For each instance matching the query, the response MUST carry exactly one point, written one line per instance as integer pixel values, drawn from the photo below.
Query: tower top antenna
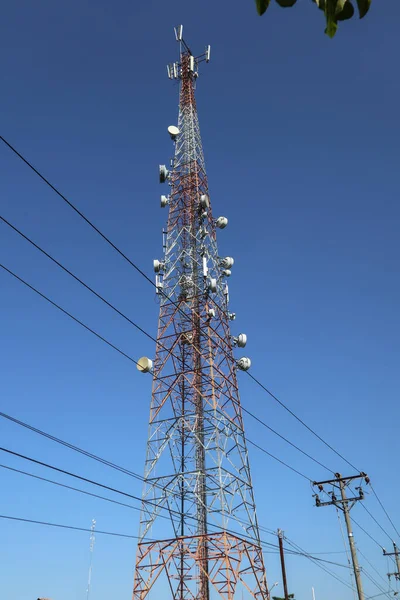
(174, 70)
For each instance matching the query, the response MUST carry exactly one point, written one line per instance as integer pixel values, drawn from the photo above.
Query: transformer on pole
(199, 536)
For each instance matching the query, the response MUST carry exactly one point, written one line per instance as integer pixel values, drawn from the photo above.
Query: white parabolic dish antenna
(144, 364)
(173, 131)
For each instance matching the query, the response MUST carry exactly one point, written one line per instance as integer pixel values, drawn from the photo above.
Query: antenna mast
(92, 540)
(199, 536)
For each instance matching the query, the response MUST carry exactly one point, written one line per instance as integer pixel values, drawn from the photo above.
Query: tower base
(177, 569)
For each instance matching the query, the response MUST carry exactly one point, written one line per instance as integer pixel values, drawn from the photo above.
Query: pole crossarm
(345, 504)
(396, 554)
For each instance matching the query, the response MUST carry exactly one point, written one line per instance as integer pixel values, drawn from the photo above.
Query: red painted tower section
(199, 537)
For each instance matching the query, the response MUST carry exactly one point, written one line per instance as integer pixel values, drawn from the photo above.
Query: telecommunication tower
(199, 536)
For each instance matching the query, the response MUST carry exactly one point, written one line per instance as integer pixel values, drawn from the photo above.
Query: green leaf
(286, 3)
(331, 28)
(262, 6)
(340, 4)
(346, 13)
(330, 14)
(363, 7)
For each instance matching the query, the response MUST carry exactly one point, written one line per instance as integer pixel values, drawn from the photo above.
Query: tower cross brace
(197, 469)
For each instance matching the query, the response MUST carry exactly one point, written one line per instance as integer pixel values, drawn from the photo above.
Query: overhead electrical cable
(376, 521)
(117, 491)
(141, 272)
(136, 363)
(366, 532)
(301, 421)
(139, 328)
(385, 511)
(69, 487)
(56, 483)
(113, 533)
(318, 564)
(152, 283)
(371, 565)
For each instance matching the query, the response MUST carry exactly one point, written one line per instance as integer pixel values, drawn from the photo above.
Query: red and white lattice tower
(199, 537)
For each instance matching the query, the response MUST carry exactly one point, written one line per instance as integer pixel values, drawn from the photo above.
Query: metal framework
(198, 497)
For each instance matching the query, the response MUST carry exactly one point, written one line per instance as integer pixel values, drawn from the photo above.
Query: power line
(118, 491)
(100, 337)
(315, 562)
(74, 475)
(74, 208)
(377, 523)
(385, 511)
(279, 460)
(46, 523)
(366, 532)
(372, 566)
(141, 272)
(71, 446)
(139, 328)
(31, 287)
(135, 362)
(69, 487)
(85, 285)
(301, 421)
(376, 584)
(123, 470)
(56, 483)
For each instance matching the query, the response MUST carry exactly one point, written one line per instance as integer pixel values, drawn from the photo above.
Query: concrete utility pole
(280, 538)
(396, 554)
(345, 505)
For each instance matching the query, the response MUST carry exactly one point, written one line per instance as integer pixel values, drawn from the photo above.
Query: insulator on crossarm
(240, 340)
(221, 222)
(164, 173)
(243, 363)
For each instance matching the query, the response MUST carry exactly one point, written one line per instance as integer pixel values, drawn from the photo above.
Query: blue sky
(300, 136)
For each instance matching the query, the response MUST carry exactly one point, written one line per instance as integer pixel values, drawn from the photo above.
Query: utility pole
(396, 554)
(345, 504)
(280, 538)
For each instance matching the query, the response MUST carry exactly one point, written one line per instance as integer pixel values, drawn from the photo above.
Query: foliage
(289, 595)
(334, 10)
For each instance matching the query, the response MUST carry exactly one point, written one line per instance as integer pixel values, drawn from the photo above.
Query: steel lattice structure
(197, 471)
